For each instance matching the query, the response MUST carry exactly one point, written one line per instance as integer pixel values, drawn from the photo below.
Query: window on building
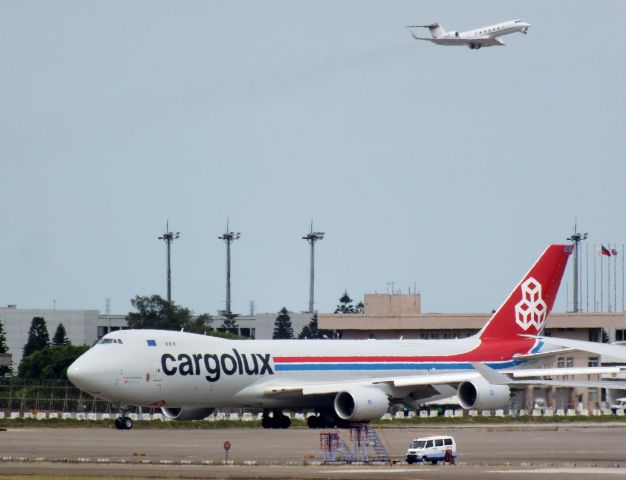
(594, 335)
(570, 362)
(560, 362)
(593, 394)
(102, 331)
(620, 335)
(593, 362)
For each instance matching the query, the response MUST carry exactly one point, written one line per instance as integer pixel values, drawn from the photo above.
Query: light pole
(228, 237)
(312, 237)
(576, 238)
(168, 237)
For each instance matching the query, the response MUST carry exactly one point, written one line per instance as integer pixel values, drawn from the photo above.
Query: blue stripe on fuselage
(294, 367)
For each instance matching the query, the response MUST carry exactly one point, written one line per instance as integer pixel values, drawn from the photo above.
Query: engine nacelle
(187, 413)
(482, 395)
(361, 403)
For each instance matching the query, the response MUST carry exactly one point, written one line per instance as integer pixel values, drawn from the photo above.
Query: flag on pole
(605, 251)
(614, 252)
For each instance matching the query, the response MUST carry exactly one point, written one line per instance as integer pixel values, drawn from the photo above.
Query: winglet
(492, 376)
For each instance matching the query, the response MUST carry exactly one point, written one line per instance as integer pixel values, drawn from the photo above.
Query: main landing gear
(276, 420)
(123, 422)
(326, 420)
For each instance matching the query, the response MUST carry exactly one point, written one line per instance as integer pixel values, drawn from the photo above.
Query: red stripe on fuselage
(487, 351)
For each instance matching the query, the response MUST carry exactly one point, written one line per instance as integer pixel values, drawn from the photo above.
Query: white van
(431, 449)
(620, 404)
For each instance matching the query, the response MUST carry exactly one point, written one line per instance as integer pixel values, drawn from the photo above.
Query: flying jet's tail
(436, 30)
(526, 309)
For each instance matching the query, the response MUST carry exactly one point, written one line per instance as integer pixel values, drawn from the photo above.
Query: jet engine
(482, 395)
(187, 413)
(474, 46)
(361, 403)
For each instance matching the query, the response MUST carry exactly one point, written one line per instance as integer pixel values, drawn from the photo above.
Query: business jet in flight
(188, 375)
(474, 39)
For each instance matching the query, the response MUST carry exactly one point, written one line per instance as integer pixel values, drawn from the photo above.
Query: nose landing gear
(123, 422)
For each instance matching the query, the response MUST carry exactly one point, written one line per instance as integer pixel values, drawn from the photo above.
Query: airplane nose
(84, 373)
(75, 372)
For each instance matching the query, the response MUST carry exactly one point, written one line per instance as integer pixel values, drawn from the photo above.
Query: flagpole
(615, 281)
(608, 283)
(595, 300)
(601, 282)
(623, 310)
(587, 275)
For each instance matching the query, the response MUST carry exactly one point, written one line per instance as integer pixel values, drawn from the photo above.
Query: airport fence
(20, 395)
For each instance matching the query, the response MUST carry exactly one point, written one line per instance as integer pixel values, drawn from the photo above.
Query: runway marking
(573, 470)
(356, 470)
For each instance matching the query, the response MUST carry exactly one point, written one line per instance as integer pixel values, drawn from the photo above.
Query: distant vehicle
(620, 404)
(432, 449)
(474, 39)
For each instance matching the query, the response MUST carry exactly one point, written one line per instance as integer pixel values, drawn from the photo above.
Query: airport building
(400, 317)
(85, 327)
(385, 317)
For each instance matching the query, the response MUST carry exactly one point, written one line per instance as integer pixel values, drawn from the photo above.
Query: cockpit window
(109, 340)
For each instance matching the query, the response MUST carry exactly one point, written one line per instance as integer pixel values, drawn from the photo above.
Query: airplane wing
(608, 349)
(535, 376)
(481, 42)
(497, 378)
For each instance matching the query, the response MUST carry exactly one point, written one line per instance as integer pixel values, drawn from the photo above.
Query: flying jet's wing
(482, 41)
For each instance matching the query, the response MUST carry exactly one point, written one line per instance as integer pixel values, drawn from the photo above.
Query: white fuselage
(166, 368)
(492, 31)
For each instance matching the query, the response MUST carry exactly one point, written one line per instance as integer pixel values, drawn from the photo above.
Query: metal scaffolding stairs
(367, 446)
(334, 448)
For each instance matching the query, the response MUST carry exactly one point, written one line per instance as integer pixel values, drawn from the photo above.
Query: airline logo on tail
(531, 310)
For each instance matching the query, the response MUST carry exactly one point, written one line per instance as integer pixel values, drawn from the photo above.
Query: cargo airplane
(474, 39)
(188, 375)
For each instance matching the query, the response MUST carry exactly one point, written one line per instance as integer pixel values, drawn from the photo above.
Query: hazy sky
(443, 167)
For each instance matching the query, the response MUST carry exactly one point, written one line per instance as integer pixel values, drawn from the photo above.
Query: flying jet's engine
(361, 403)
(482, 395)
(474, 46)
(187, 413)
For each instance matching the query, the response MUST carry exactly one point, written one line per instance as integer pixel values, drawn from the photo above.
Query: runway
(508, 451)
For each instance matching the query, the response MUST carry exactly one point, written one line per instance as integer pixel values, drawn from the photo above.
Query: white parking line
(572, 471)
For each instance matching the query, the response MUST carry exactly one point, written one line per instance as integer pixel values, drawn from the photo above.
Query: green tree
(38, 337)
(312, 331)
(345, 305)
(60, 336)
(230, 324)
(50, 363)
(282, 325)
(157, 313)
(4, 348)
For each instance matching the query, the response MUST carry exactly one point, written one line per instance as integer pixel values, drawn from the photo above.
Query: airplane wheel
(127, 422)
(313, 421)
(118, 423)
(284, 421)
(266, 421)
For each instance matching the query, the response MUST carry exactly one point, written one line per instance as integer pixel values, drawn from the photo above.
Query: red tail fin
(528, 306)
